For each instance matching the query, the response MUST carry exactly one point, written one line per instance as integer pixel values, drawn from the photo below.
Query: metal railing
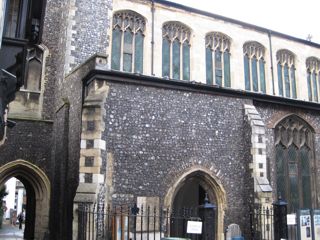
(262, 225)
(133, 223)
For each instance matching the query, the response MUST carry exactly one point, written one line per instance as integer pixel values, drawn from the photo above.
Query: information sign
(291, 219)
(194, 227)
(316, 224)
(305, 227)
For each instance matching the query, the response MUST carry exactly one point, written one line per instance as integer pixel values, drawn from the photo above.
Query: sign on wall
(291, 219)
(305, 227)
(194, 227)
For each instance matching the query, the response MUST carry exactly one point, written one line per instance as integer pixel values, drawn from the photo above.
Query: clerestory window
(313, 78)
(294, 161)
(218, 59)
(254, 67)
(176, 51)
(286, 74)
(127, 41)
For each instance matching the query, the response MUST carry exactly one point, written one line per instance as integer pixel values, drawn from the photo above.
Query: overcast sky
(297, 18)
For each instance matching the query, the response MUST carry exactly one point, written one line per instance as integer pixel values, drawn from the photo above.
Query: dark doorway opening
(187, 201)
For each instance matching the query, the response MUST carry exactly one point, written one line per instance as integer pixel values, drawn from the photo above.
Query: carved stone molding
(129, 20)
(218, 41)
(254, 48)
(176, 30)
(285, 56)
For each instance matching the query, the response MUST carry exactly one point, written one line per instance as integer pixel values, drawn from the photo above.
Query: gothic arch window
(128, 29)
(313, 78)
(294, 161)
(254, 67)
(176, 51)
(218, 59)
(286, 74)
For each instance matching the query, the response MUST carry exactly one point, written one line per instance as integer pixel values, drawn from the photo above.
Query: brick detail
(92, 155)
(258, 164)
(88, 161)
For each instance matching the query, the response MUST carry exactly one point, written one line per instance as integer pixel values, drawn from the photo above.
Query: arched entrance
(37, 187)
(189, 191)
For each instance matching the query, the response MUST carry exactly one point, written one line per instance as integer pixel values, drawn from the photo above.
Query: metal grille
(143, 223)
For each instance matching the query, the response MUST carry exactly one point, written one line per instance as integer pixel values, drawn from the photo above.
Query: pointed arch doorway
(189, 191)
(37, 187)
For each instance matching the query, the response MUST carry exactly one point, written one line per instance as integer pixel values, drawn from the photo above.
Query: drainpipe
(152, 38)
(271, 58)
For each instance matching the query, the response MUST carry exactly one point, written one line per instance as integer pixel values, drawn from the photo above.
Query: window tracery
(294, 159)
(176, 51)
(218, 59)
(254, 66)
(127, 41)
(286, 73)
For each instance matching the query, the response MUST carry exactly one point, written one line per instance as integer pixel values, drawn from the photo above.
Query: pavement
(11, 232)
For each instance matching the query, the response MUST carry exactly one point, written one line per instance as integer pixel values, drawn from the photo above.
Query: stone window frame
(292, 132)
(176, 31)
(254, 51)
(214, 42)
(286, 60)
(313, 78)
(135, 23)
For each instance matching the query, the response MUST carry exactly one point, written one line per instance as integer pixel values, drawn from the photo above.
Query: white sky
(297, 18)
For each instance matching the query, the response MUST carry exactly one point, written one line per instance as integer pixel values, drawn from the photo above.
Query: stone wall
(156, 135)
(30, 141)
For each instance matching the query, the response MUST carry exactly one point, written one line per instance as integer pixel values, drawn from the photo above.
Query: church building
(149, 101)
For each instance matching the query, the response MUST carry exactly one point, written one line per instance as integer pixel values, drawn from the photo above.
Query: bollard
(207, 214)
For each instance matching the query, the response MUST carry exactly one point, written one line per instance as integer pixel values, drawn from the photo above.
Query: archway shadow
(189, 190)
(37, 187)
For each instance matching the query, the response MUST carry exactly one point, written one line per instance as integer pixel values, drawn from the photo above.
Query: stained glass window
(286, 80)
(138, 53)
(294, 154)
(127, 41)
(309, 86)
(226, 61)
(254, 73)
(218, 59)
(165, 58)
(218, 68)
(313, 78)
(293, 82)
(127, 51)
(209, 71)
(280, 82)
(176, 59)
(186, 61)
(247, 72)
(286, 74)
(262, 76)
(176, 51)
(116, 49)
(315, 88)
